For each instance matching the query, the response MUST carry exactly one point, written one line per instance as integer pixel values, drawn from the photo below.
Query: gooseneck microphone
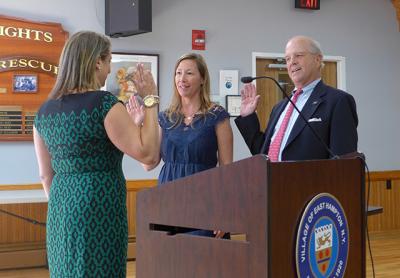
(248, 79)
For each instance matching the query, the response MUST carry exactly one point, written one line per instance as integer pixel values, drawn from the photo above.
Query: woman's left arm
(46, 171)
(225, 142)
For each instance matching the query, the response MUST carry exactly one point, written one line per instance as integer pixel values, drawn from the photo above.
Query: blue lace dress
(189, 149)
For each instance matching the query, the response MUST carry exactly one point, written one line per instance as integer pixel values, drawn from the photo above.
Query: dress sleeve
(108, 101)
(162, 119)
(220, 113)
(39, 118)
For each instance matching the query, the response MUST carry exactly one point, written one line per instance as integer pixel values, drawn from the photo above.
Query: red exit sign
(307, 4)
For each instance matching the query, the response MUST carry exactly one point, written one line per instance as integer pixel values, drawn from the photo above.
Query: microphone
(248, 79)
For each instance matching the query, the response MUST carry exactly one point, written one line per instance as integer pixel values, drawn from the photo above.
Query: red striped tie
(275, 146)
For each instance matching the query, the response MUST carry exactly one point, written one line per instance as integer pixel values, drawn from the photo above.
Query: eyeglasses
(297, 55)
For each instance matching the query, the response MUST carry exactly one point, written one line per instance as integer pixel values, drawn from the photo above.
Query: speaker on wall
(127, 17)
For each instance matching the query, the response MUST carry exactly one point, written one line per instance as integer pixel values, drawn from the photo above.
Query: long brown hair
(173, 112)
(77, 66)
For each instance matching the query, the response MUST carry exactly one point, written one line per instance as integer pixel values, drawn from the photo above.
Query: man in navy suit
(331, 112)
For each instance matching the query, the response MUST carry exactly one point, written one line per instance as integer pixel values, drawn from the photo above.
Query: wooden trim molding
(23, 259)
(131, 185)
(10, 187)
(137, 185)
(384, 175)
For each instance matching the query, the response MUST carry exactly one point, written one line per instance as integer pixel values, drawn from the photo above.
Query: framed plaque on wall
(120, 80)
(233, 103)
(25, 83)
(29, 64)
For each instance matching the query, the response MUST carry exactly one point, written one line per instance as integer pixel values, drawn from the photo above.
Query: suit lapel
(308, 110)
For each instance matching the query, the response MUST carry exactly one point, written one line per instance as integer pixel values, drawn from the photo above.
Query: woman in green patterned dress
(80, 136)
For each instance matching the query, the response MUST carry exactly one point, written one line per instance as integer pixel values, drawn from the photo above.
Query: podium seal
(322, 244)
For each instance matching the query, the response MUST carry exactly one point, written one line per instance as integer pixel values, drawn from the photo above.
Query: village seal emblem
(322, 243)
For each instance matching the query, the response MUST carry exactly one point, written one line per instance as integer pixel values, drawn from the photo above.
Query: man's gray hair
(315, 47)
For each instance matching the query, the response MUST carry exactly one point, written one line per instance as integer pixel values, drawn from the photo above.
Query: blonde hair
(77, 66)
(173, 112)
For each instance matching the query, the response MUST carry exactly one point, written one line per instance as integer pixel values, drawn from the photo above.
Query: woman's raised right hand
(144, 81)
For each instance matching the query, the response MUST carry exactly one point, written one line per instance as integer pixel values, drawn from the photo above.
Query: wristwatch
(151, 100)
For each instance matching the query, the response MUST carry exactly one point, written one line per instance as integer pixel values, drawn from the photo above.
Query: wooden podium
(253, 197)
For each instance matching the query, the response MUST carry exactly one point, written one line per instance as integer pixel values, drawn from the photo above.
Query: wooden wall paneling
(131, 207)
(34, 257)
(19, 231)
(22, 244)
(132, 188)
(374, 221)
(384, 175)
(388, 199)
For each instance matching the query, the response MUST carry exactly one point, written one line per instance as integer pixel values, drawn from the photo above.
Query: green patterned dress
(87, 229)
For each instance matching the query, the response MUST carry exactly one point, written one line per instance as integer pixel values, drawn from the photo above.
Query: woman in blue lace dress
(80, 136)
(195, 134)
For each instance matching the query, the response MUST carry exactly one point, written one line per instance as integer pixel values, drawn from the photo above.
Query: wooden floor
(385, 247)
(386, 253)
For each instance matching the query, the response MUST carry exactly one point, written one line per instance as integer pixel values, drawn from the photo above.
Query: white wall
(364, 31)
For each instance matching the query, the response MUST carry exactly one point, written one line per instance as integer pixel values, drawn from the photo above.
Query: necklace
(190, 117)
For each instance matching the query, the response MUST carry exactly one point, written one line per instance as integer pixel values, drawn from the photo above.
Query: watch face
(149, 101)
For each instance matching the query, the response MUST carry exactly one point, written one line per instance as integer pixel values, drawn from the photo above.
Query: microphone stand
(334, 156)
